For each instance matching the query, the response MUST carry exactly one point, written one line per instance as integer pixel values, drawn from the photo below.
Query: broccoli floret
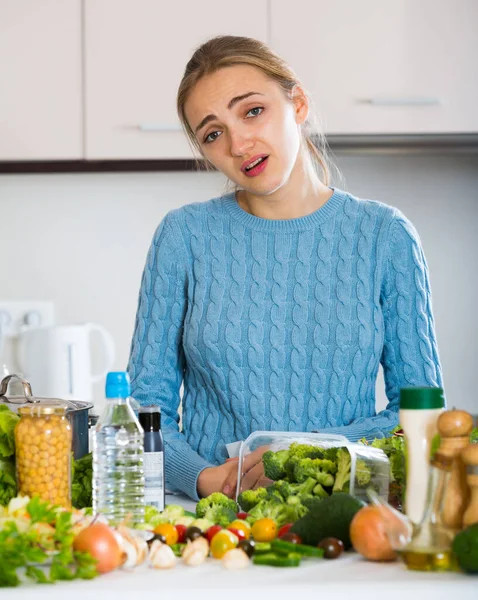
(344, 465)
(297, 452)
(217, 508)
(363, 474)
(281, 487)
(319, 469)
(298, 510)
(319, 491)
(302, 489)
(274, 464)
(249, 498)
(280, 512)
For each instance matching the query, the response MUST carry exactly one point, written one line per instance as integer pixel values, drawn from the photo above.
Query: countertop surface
(348, 578)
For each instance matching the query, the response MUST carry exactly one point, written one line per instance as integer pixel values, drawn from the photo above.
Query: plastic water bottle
(118, 477)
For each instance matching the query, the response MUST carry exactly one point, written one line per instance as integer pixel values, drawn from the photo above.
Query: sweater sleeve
(156, 363)
(410, 354)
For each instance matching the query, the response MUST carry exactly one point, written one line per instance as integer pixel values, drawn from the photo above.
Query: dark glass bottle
(150, 420)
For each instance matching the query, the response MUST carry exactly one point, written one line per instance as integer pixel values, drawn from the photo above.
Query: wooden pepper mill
(470, 459)
(454, 427)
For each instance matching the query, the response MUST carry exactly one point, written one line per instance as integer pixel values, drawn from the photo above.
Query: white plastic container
(373, 458)
(420, 408)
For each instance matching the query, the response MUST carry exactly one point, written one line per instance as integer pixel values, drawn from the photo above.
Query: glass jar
(43, 453)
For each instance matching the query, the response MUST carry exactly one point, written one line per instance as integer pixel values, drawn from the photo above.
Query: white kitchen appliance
(57, 360)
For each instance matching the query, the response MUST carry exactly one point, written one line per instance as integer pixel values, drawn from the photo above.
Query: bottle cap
(118, 385)
(421, 398)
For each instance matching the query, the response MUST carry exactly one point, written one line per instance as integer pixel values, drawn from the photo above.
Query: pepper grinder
(455, 427)
(470, 459)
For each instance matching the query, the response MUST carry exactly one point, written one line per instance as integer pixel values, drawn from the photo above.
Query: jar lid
(40, 409)
(421, 398)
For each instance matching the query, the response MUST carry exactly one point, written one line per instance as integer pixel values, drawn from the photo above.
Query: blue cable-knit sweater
(279, 325)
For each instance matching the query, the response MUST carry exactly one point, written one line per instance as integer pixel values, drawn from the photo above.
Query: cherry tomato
(242, 515)
(168, 531)
(264, 530)
(211, 532)
(242, 526)
(284, 529)
(222, 542)
(238, 533)
(332, 547)
(291, 537)
(100, 541)
(181, 529)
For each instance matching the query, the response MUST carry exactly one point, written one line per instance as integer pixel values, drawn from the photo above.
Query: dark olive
(192, 533)
(157, 536)
(293, 538)
(332, 547)
(249, 547)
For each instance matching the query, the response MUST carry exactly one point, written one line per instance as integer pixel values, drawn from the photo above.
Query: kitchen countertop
(349, 577)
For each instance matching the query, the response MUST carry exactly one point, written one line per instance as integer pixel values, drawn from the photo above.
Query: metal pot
(76, 411)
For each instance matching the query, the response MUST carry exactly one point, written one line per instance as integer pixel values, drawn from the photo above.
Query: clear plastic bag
(370, 467)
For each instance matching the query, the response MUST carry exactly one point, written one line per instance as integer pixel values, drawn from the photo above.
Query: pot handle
(27, 389)
(109, 347)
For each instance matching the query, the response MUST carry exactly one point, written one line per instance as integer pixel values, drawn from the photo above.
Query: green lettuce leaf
(8, 420)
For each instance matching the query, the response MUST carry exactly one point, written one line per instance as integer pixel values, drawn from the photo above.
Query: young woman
(276, 303)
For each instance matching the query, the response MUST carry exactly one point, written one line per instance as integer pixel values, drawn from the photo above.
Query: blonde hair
(229, 50)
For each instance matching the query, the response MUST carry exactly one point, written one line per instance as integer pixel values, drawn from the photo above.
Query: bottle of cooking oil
(430, 546)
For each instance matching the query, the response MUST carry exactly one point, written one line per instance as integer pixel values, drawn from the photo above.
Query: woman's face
(239, 115)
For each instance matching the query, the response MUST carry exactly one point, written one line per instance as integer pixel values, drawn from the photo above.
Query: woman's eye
(211, 137)
(254, 111)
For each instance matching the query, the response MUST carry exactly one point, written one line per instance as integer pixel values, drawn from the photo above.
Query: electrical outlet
(31, 313)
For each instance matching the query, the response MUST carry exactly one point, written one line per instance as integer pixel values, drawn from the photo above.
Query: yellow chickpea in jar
(43, 453)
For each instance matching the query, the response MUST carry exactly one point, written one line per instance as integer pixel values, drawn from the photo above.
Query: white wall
(81, 241)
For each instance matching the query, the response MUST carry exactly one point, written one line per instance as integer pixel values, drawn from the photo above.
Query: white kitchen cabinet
(40, 80)
(384, 67)
(136, 52)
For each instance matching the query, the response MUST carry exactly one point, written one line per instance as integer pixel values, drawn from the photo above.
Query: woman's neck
(302, 195)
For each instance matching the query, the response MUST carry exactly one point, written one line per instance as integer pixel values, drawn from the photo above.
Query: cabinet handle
(411, 101)
(152, 127)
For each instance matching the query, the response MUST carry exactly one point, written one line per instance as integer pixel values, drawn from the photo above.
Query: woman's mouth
(256, 167)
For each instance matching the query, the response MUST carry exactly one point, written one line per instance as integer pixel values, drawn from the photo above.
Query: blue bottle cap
(118, 385)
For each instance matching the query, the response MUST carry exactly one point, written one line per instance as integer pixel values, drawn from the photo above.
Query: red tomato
(242, 515)
(181, 529)
(284, 529)
(211, 532)
(237, 532)
(100, 541)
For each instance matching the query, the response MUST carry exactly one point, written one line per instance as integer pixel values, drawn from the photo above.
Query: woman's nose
(241, 143)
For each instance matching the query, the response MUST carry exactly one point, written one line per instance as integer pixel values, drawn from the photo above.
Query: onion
(99, 540)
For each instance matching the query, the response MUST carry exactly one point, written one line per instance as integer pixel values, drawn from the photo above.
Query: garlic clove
(235, 559)
(134, 546)
(161, 556)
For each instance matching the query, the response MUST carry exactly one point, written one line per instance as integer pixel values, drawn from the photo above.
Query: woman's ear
(301, 104)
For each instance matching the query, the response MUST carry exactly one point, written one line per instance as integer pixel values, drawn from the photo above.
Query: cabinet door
(136, 52)
(40, 80)
(375, 66)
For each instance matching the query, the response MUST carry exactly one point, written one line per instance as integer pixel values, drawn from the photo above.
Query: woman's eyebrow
(232, 102)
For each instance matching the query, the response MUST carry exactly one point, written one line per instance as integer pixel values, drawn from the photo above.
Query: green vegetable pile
(36, 534)
(82, 482)
(8, 486)
(302, 474)
(217, 508)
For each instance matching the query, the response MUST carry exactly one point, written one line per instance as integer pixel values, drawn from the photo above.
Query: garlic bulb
(161, 556)
(235, 559)
(134, 547)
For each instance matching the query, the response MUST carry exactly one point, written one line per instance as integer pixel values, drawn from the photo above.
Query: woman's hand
(224, 477)
(213, 479)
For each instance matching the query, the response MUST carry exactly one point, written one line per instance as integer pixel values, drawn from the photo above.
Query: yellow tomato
(264, 530)
(169, 532)
(222, 542)
(241, 526)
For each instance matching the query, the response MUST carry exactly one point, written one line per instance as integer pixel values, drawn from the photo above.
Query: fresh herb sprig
(23, 549)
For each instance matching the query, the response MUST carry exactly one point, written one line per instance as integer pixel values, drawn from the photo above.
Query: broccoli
(363, 474)
(302, 489)
(319, 491)
(298, 510)
(319, 469)
(274, 509)
(217, 508)
(274, 464)
(249, 498)
(344, 466)
(297, 452)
